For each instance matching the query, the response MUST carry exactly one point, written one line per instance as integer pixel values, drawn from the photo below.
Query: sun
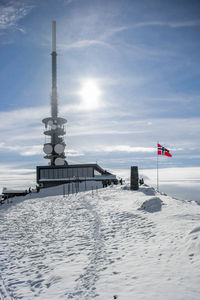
(90, 94)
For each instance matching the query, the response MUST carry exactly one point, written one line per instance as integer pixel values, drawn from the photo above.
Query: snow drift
(152, 205)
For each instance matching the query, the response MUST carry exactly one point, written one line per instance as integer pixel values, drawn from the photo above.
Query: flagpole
(157, 171)
(162, 151)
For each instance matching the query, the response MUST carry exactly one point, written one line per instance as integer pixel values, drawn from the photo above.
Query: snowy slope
(110, 244)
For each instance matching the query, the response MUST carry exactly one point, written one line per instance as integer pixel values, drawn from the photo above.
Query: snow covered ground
(112, 243)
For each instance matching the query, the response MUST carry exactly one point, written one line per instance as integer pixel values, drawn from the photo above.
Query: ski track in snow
(81, 246)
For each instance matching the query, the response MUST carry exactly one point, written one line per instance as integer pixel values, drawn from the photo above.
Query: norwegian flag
(163, 151)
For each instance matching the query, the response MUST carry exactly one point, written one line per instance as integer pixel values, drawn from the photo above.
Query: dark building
(48, 176)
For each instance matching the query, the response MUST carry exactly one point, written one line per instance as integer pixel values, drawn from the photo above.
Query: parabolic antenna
(59, 148)
(59, 161)
(50, 123)
(47, 148)
(53, 126)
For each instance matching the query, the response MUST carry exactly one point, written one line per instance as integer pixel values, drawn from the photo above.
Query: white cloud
(13, 170)
(68, 2)
(16, 176)
(73, 153)
(175, 24)
(172, 175)
(125, 148)
(105, 36)
(84, 44)
(111, 31)
(100, 134)
(11, 12)
(19, 117)
(34, 150)
(22, 150)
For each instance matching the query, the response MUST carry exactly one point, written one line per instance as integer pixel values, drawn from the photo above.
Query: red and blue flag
(163, 151)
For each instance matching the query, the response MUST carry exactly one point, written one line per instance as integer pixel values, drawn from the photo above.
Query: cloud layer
(12, 12)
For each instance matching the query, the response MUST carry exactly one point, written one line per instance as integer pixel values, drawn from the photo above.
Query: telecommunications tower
(54, 125)
(59, 172)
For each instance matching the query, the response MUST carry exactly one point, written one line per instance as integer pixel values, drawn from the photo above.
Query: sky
(128, 77)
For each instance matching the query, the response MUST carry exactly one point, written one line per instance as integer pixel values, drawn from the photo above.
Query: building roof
(95, 166)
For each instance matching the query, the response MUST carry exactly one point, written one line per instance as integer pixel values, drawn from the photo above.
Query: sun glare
(90, 94)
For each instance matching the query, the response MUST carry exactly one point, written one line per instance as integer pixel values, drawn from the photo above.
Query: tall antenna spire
(54, 36)
(54, 99)
(54, 125)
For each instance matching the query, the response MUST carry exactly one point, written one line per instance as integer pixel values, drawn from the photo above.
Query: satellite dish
(50, 123)
(59, 148)
(48, 148)
(59, 161)
(53, 126)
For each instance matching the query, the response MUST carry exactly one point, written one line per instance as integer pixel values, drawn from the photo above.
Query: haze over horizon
(128, 77)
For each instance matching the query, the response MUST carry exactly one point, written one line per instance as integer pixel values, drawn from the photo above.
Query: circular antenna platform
(59, 161)
(59, 121)
(48, 148)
